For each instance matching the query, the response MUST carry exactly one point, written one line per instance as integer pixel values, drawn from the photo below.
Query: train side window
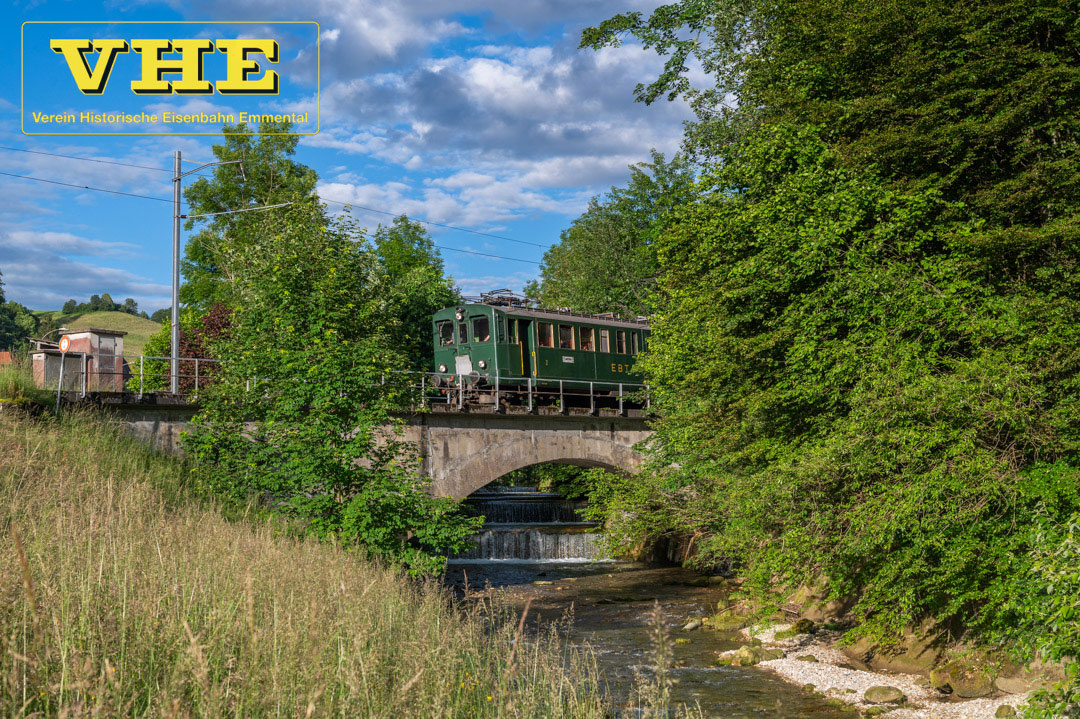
(587, 343)
(547, 337)
(446, 332)
(481, 329)
(605, 341)
(634, 343)
(566, 337)
(499, 325)
(620, 341)
(463, 333)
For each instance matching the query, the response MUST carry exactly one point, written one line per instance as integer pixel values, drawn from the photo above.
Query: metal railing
(86, 372)
(529, 392)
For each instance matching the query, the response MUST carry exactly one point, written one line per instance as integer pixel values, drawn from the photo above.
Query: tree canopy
(864, 349)
(606, 260)
(300, 408)
(269, 176)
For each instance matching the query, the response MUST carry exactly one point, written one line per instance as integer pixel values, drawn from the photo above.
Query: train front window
(605, 341)
(587, 343)
(620, 341)
(566, 337)
(463, 333)
(547, 337)
(481, 329)
(633, 343)
(446, 332)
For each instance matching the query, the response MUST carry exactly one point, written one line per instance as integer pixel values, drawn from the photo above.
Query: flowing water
(536, 547)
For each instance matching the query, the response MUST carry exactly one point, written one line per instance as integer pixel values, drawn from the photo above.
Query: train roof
(564, 315)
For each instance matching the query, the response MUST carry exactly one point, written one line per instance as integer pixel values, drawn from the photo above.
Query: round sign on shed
(65, 342)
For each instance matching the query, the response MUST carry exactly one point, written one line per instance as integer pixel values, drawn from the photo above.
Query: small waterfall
(522, 524)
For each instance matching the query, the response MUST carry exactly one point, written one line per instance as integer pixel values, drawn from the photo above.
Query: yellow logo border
(318, 70)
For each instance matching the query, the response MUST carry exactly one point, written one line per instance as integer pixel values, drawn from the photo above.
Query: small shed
(94, 361)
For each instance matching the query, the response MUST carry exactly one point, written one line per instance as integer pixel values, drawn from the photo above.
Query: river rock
(692, 625)
(807, 658)
(884, 695)
(964, 680)
(1004, 711)
(803, 626)
(543, 582)
(877, 710)
(1018, 685)
(728, 622)
(748, 656)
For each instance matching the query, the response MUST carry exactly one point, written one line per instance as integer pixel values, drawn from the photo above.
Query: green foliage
(155, 375)
(17, 323)
(565, 479)
(865, 346)
(846, 394)
(17, 385)
(1055, 618)
(606, 260)
(269, 177)
(416, 284)
(162, 315)
(299, 413)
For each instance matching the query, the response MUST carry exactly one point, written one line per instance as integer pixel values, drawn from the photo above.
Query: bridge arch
(462, 453)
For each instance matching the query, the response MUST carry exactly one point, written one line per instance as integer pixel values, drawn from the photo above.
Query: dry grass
(120, 595)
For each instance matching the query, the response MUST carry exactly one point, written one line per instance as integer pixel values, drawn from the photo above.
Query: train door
(525, 343)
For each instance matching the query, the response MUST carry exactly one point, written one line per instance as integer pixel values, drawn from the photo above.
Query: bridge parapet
(462, 449)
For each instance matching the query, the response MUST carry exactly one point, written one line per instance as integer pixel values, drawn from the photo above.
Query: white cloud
(41, 277)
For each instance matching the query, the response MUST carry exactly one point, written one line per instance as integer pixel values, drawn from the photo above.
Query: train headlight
(482, 364)
(459, 315)
(442, 368)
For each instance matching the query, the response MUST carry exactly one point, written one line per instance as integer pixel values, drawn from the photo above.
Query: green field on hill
(138, 329)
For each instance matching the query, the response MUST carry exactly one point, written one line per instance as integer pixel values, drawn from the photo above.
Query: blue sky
(477, 114)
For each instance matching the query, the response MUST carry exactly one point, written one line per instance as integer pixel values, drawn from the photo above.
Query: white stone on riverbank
(831, 678)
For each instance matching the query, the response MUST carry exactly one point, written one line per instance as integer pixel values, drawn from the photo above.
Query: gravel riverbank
(834, 676)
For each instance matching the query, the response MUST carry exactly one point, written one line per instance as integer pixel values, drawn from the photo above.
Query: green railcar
(477, 342)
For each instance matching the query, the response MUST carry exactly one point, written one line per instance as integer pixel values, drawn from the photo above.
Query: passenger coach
(500, 336)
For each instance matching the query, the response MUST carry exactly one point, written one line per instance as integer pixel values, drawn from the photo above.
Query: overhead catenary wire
(390, 213)
(84, 187)
(162, 199)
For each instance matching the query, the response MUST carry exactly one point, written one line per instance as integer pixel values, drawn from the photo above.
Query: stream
(535, 547)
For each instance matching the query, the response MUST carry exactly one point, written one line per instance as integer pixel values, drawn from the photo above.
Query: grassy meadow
(122, 594)
(139, 329)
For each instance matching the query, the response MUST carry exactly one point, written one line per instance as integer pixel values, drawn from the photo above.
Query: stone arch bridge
(461, 450)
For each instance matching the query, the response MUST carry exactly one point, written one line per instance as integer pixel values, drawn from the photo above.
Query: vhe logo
(239, 66)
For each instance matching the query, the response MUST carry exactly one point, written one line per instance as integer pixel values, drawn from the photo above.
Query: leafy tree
(865, 343)
(9, 331)
(161, 315)
(980, 101)
(269, 177)
(199, 333)
(95, 303)
(70, 307)
(298, 412)
(130, 306)
(606, 260)
(416, 285)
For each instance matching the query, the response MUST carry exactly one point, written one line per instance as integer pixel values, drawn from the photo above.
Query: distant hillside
(138, 329)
